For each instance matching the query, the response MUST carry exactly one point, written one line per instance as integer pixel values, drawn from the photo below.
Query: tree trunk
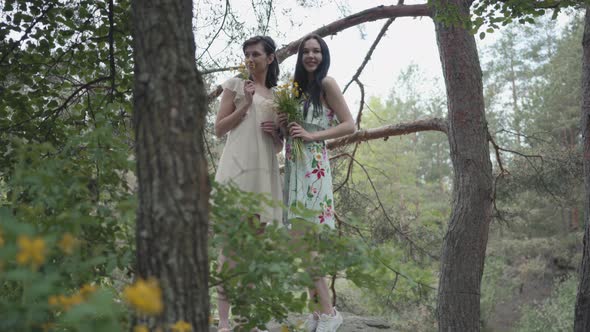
(170, 105)
(464, 246)
(582, 314)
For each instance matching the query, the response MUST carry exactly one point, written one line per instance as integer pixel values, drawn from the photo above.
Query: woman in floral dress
(308, 179)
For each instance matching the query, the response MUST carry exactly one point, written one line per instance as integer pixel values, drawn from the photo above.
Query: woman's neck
(259, 79)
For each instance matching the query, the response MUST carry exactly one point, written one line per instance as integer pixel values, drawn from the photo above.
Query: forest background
(68, 186)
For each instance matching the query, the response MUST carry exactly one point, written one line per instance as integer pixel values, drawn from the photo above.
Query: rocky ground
(352, 323)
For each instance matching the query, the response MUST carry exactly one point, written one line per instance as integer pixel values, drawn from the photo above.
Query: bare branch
(368, 15)
(435, 124)
(382, 207)
(501, 174)
(361, 104)
(372, 49)
(218, 70)
(218, 30)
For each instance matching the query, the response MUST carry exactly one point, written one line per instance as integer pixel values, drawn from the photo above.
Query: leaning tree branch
(368, 15)
(435, 124)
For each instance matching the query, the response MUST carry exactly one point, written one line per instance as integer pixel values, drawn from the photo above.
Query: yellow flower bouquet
(243, 72)
(286, 98)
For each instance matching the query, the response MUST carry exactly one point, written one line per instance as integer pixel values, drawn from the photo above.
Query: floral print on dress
(308, 182)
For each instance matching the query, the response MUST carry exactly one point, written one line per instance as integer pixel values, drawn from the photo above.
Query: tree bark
(170, 105)
(464, 246)
(367, 15)
(582, 311)
(385, 132)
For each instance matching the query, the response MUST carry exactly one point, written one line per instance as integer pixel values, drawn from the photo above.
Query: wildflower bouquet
(243, 72)
(286, 98)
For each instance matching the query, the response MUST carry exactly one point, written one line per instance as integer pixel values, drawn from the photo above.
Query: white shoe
(329, 323)
(311, 323)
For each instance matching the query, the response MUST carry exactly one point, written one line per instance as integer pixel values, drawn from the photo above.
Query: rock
(352, 323)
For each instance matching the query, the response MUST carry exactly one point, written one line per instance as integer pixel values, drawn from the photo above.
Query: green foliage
(25, 303)
(496, 14)
(493, 15)
(270, 272)
(553, 314)
(532, 98)
(400, 190)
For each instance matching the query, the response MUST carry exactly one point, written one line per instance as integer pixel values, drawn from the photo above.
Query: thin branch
(218, 30)
(62, 106)
(435, 124)
(268, 15)
(497, 177)
(392, 289)
(397, 273)
(358, 124)
(530, 137)
(497, 149)
(27, 32)
(361, 104)
(372, 49)
(217, 70)
(113, 69)
(400, 232)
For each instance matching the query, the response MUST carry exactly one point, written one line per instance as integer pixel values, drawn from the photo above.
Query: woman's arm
(271, 128)
(229, 116)
(336, 102)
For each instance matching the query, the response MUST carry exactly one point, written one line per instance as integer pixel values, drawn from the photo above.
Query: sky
(408, 41)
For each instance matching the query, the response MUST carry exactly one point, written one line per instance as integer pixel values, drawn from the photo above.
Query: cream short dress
(249, 158)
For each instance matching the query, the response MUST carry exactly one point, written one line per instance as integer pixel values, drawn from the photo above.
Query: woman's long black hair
(313, 88)
(272, 75)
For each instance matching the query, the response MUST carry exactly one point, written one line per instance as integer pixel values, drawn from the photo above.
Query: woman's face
(256, 59)
(312, 55)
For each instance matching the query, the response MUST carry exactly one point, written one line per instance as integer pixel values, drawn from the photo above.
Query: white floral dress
(249, 158)
(308, 180)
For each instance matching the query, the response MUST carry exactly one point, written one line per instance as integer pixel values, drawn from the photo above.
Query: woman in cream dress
(249, 158)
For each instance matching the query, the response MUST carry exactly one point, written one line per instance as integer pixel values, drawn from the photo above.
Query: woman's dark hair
(272, 75)
(312, 88)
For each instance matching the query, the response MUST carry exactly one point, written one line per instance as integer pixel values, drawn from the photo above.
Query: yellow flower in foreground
(47, 327)
(31, 251)
(66, 302)
(140, 328)
(67, 243)
(87, 290)
(145, 296)
(181, 326)
(284, 328)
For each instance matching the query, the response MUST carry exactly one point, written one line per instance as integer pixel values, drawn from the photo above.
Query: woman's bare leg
(222, 301)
